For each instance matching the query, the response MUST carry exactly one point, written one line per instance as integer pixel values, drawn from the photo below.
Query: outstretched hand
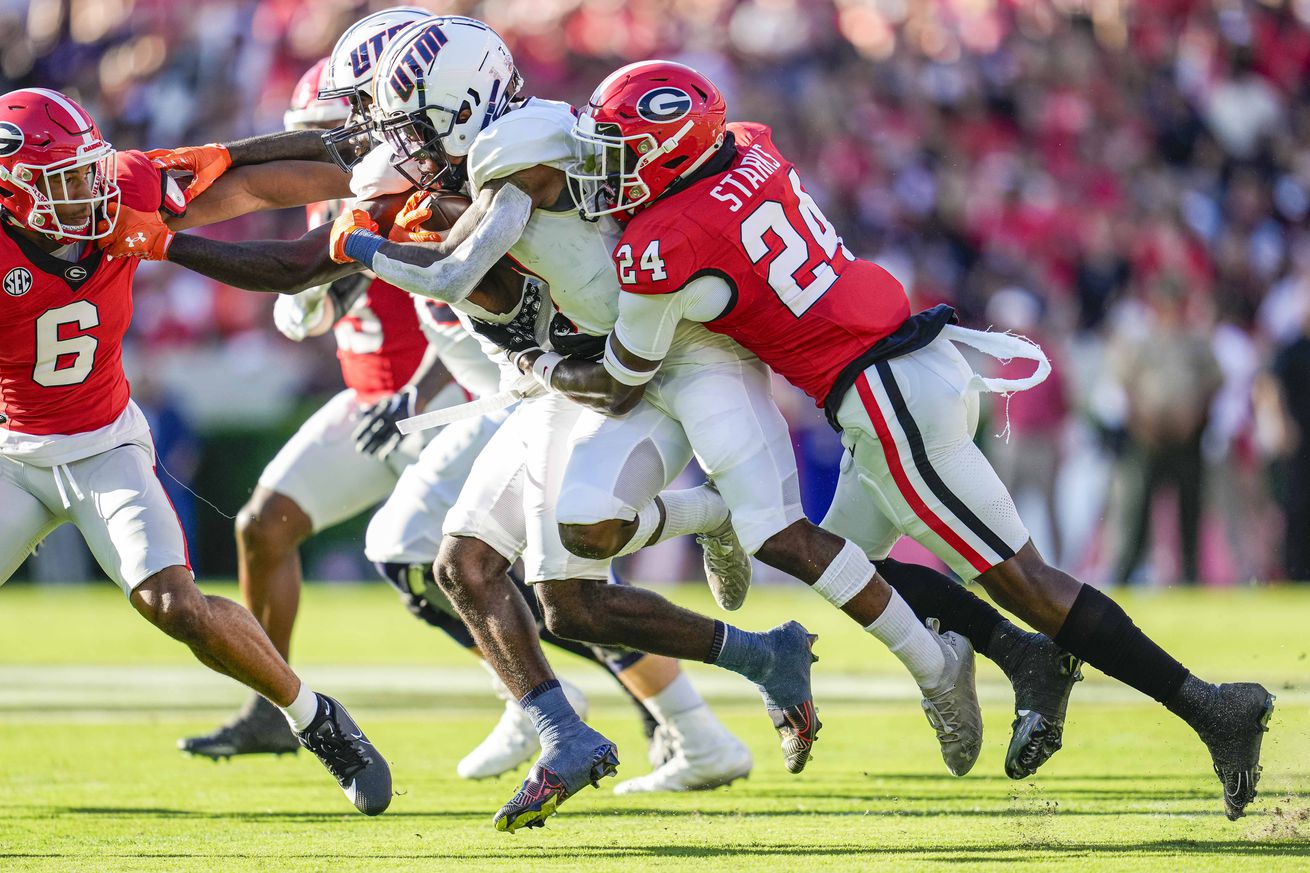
(205, 164)
(134, 234)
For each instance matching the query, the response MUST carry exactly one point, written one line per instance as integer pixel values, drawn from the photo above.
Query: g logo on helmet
(11, 138)
(18, 282)
(663, 105)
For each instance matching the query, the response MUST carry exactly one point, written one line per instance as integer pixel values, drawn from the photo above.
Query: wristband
(361, 245)
(544, 366)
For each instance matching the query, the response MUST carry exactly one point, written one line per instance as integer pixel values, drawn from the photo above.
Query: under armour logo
(138, 237)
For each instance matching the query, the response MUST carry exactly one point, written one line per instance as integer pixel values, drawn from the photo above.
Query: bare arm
(589, 383)
(269, 186)
(284, 266)
(288, 145)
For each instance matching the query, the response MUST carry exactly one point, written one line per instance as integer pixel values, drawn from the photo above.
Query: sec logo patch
(18, 282)
(663, 105)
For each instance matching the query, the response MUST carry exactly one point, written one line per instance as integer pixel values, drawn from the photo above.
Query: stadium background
(1129, 183)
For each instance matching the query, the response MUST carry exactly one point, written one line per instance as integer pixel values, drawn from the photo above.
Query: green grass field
(92, 700)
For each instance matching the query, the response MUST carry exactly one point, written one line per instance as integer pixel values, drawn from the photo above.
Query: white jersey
(568, 253)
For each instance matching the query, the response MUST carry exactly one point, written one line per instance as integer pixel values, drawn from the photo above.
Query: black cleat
(1042, 685)
(359, 769)
(545, 789)
(259, 728)
(1233, 731)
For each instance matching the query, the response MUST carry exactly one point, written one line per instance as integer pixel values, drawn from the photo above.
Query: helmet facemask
(605, 176)
(52, 186)
(417, 136)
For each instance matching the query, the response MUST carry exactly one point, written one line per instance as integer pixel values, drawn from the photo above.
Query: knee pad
(424, 600)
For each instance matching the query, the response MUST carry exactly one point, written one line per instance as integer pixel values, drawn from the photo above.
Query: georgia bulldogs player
(719, 230)
(74, 447)
(319, 478)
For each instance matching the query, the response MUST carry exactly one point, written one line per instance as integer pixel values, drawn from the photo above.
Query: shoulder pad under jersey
(538, 132)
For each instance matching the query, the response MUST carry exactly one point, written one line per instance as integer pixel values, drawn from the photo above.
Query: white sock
(688, 511)
(848, 574)
(910, 641)
(692, 511)
(678, 697)
(301, 711)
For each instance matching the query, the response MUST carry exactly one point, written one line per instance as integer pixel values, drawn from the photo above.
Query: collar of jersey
(49, 264)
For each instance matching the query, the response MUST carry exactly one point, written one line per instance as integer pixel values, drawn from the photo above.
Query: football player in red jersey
(719, 230)
(75, 448)
(382, 353)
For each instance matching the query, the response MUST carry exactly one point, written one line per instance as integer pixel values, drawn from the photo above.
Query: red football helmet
(647, 126)
(52, 156)
(308, 109)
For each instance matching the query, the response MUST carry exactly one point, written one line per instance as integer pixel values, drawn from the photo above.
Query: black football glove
(377, 434)
(519, 333)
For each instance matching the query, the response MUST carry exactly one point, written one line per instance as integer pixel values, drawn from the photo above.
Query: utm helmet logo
(18, 281)
(663, 105)
(11, 138)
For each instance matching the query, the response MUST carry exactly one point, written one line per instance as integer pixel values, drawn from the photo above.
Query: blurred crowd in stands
(1126, 182)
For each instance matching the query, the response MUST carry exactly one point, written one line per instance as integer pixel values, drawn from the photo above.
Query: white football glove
(296, 315)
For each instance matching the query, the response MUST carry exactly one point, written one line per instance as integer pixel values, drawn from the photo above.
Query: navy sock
(550, 711)
(749, 654)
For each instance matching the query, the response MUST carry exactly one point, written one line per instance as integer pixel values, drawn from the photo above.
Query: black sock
(1193, 701)
(1008, 646)
(1101, 633)
(933, 595)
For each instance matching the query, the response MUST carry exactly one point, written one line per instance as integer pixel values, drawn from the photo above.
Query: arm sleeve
(454, 277)
(647, 322)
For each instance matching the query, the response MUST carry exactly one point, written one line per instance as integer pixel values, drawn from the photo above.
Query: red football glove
(348, 222)
(205, 164)
(135, 234)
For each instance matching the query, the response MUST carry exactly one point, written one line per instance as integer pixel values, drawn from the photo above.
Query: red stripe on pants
(921, 509)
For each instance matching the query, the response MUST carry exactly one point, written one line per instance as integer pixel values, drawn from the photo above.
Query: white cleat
(513, 741)
(704, 756)
(952, 705)
(681, 773)
(727, 566)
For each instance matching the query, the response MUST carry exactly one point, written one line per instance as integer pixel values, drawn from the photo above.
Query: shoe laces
(343, 757)
(943, 716)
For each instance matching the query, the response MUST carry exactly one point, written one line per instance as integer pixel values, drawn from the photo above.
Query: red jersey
(801, 301)
(379, 341)
(62, 322)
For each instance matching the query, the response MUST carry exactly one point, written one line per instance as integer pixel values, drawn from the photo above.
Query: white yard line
(73, 690)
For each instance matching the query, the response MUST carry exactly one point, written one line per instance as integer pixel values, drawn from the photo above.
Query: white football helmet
(440, 82)
(349, 75)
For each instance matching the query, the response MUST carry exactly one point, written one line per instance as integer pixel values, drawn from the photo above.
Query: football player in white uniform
(442, 100)
(690, 746)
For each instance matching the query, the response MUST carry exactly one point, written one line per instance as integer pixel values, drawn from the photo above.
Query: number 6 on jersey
(52, 350)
